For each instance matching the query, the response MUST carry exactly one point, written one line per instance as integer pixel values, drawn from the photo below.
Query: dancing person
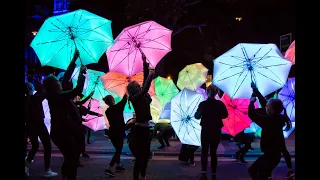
(66, 127)
(83, 112)
(272, 138)
(211, 112)
(163, 132)
(187, 154)
(244, 146)
(262, 111)
(130, 125)
(116, 130)
(36, 128)
(140, 99)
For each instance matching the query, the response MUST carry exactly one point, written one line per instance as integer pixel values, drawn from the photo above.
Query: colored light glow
(34, 32)
(169, 77)
(238, 18)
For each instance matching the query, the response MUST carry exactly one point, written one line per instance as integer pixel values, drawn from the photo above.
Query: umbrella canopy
(94, 122)
(117, 83)
(254, 128)
(192, 76)
(96, 85)
(203, 92)
(155, 108)
(104, 107)
(183, 107)
(166, 111)
(148, 37)
(74, 79)
(59, 36)
(165, 89)
(237, 119)
(287, 96)
(152, 91)
(291, 53)
(126, 107)
(262, 64)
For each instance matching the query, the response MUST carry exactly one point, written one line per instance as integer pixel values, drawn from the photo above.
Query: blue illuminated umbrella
(59, 36)
(183, 107)
(261, 64)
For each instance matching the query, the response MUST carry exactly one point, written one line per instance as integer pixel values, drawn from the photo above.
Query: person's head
(51, 84)
(109, 100)
(29, 88)
(77, 99)
(133, 88)
(274, 106)
(212, 90)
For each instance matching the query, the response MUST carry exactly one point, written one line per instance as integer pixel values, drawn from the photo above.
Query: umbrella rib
(228, 76)
(269, 77)
(85, 49)
(66, 26)
(145, 32)
(224, 72)
(54, 41)
(262, 58)
(241, 82)
(56, 52)
(92, 40)
(86, 20)
(244, 52)
(72, 21)
(254, 55)
(122, 59)
(154, 40)
(152, 48)
(194, 108)
(242, 59)
(93, 30)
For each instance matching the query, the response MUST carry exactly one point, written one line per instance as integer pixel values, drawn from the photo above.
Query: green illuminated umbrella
(95, 84)
(59, 36)
(165, 89)
(192, 76)
(126, 107)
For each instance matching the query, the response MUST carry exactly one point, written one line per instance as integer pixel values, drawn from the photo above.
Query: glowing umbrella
(96, 85)
(262, 64)
(117, 83)
(291, 53)
(254, 128)
(94, 122)
(148, 37)
(152, 91)
(59, 36)
(192, 76)
(165, 89)
(287, 96)
(203, 92)
(237, 119)
(104, 107)
(166, 111)
(74, 78)
(155, 108)
(183, 107)
(126, 107)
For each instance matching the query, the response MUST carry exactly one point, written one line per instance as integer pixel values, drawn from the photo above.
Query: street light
(168, 77)
(34, 32)
(238, 18)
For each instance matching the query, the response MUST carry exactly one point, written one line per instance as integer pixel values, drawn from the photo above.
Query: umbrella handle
(79, 54)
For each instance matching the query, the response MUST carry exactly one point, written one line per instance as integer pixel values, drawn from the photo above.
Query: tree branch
(188, 27)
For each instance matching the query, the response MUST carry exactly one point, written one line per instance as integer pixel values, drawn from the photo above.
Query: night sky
(262, 22)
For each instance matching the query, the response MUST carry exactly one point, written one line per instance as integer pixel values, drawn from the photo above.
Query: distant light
(34, 32)
(238, 18)
(168, 77)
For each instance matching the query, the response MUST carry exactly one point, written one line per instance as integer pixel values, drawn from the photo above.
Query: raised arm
(145, 69)
(262, 100)
(68, 73)
(93, 113)
(123, 102)
(254, 116)
(85, 99)
(78, 89)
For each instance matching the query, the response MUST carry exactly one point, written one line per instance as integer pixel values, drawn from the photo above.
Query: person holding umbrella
(211, 112)
(272, 139)
(141, 101)
(66, 127)
(116, 130)
(163, 131)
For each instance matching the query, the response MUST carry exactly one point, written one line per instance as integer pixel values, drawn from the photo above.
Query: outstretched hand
(151, 71)
(100, 115)
(83, 69)
(253, 85)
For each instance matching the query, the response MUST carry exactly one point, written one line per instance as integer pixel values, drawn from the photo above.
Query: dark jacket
(161, 127)
(65, 116)
(141, 101)
(34, 110)
(211, 112)
(115, 117)
(272, 139)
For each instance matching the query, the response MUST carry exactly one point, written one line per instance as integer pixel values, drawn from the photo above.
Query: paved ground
(101, 145)
(160, 168)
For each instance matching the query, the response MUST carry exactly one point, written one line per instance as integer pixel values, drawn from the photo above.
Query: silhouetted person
(245, 144)
(272, 139)
(262, 111)
(187, 154)
(66, 127)
(141, 100)
(165, 133)
(36, 128)
(117, 134)
(211, 112)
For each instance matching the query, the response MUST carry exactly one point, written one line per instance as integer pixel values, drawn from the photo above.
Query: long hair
(277, 108)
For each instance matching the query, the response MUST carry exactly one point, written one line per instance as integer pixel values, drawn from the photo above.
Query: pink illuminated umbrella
(149, 38)
(237, 119)
(117, 83)
(291, 53)
(152, 91)
(94, 122)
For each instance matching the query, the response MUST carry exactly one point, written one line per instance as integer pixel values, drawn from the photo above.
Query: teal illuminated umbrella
(59, 36)
(165, 89)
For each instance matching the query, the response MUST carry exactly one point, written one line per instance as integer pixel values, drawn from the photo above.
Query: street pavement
(159, 168)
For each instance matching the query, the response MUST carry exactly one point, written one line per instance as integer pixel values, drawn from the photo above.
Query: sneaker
(214, 176)
(290, 175)
(203, 177)
(26, 171)
(192, 164)
(120, 168)
(109, 173)
(161, 147)
(50, 173)
(85, 155)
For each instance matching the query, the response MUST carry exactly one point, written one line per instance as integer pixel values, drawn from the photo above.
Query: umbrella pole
(77, 48)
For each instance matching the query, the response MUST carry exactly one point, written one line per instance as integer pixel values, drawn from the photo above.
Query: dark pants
(211, 142)
(142, 141)
(41, 132)
(87, 131)
(69, 148)
(287, 158)
(243, 150)
(187, 153)
(262, 168)
(82, 141)
(117, 142)
(164, 135)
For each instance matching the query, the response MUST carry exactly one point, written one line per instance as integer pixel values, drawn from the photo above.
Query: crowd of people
(68, 133)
